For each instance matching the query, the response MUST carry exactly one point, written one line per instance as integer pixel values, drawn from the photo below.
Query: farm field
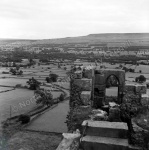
(21, 100)
(12, 81)
(3, 89)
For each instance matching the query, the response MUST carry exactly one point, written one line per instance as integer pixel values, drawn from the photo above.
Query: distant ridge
(108, 38)
(99, 38)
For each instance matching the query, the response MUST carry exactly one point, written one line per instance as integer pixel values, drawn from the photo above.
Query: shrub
(131, 70)
(33, 83)
(48, 79)
(18, 85)
(140, 79)
(61, 98)
(4, 72)
(44, 97)
(53, 77)
(24, 119)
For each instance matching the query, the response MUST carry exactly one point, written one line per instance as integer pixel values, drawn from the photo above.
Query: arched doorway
(101, 78)
(112, 89)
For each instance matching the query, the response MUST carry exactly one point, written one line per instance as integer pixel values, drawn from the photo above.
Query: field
(3, 89)
(19, 101)
(15, 102)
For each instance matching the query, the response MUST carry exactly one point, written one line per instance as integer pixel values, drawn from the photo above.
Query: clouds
(60, 18)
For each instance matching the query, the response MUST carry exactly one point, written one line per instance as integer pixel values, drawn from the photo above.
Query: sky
(45, 19)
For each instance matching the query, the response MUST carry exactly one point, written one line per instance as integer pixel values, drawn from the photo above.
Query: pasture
(21, 100)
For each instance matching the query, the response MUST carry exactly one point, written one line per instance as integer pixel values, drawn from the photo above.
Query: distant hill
(110, 39)
(16, 41)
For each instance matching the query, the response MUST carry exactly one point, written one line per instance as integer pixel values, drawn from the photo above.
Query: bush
(24, 119)
(140, 79)
(61, 98)
(4, 72)
(18, 85)
(33, 83)
(48, 79)
(44, 97)
(53, 77)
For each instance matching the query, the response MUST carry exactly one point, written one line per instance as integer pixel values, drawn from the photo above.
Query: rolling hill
(111, 39)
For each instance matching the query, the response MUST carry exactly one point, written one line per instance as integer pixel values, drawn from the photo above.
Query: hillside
(134, 38)
(16, 42)
(110, 39)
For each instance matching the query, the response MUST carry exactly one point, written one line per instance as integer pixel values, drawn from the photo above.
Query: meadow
(22, 100)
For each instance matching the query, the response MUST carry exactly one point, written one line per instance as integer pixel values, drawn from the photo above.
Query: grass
(28, 140)
(14, 99)
(3, 89)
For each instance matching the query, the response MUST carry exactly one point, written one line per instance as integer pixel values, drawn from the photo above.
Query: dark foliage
(140, 79)
(61, 98)
(75, 95)
(44, 97)
(53, 77)
(48, 79)
(24, 119)
(33, 83)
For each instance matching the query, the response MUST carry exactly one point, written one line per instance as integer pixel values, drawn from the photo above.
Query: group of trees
(16, 71)
(128, 69)
(52, 78)
(33, 84)
(140, 79)
(44, 97)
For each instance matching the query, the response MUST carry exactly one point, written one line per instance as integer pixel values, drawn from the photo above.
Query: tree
(53, 77)
(20, 73)
(131, 70)
(125, 69)
(48, 79)
(140, 79)
(61, 98)
(43, 97)
(13, 71)
(17, 67)
(24, 119)
(14, 64)
(33, 83)
(31, 62)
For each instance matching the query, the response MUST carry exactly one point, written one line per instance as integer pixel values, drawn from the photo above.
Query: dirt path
(52, 120)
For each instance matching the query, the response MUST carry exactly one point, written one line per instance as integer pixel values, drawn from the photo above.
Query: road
(52, 120)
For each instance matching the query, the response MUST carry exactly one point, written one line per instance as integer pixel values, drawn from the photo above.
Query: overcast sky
(42, 19)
